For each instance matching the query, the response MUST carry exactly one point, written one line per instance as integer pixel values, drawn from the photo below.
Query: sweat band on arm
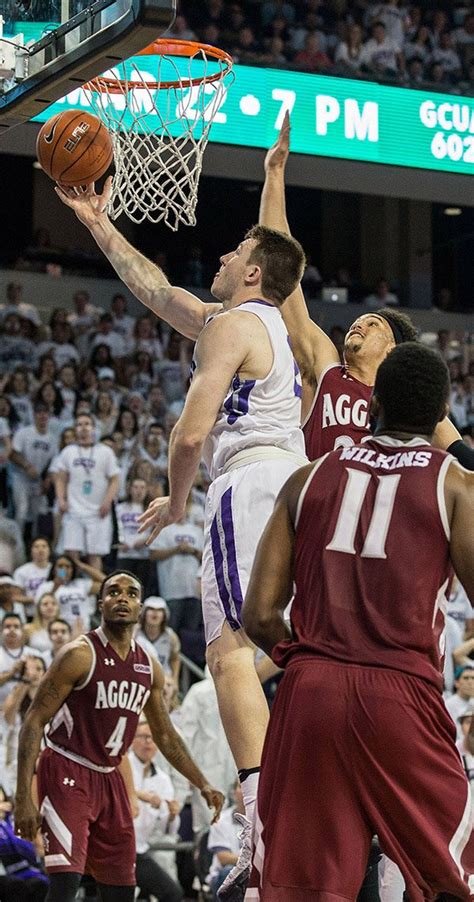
(463, 454)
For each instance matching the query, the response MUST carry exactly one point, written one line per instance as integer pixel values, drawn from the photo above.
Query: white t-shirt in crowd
(467, 760)
(41, 642)
(171, 378)
(127, 513)
(159, 783)
(27, 311)
(394, 18)
(87, 319)
(380, 56)
(62, 353)
(113, 340)
(224, 837)
(69, 398)
(8, 660)
(124, 326)
(457, 706)
(73, 600)
(448, 58)
(31, 577)
(90, 469)
(5, 433)
(177, 575)
(23, 408)
(36, 447)
(460, 609)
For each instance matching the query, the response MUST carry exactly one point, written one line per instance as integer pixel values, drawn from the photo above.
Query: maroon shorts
(353, 752)
(87, 823)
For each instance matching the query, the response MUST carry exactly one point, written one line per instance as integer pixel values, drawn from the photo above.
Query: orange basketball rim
(160, 126)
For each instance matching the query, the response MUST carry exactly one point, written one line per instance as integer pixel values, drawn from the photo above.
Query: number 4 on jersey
(349, 514)
(115, 740)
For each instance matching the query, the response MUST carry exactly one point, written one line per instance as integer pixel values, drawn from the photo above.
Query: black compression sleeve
(463, 454)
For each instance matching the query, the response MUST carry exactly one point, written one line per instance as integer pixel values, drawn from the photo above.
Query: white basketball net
(159, 136)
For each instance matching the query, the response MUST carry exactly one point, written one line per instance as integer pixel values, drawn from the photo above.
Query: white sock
(249, 792)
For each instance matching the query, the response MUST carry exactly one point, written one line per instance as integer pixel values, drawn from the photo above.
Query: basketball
(74, 148)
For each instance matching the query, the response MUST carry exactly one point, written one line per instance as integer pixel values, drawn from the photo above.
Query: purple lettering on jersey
(237, 402)
(297, 384)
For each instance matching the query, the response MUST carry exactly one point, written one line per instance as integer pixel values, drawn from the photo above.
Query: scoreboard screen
(330, 117)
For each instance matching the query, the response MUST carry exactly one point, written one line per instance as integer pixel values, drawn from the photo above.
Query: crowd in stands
(411, 44)
(87, 403)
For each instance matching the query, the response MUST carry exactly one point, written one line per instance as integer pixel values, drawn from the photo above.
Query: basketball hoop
(159, 121)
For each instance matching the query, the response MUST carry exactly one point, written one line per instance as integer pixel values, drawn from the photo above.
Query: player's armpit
(459, 496)
(182, 310)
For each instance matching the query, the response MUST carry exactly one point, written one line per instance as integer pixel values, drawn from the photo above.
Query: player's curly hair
(281, 259)
(412, 386)
(402, 327)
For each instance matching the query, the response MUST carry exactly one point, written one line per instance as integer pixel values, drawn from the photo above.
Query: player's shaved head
(412, 389)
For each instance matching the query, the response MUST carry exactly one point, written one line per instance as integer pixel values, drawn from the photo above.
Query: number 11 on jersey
(349, 514)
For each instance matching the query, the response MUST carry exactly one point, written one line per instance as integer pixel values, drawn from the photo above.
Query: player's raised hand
(278, 153)
(214, 799)
(157, 515)
(88, 206)
(27, 819)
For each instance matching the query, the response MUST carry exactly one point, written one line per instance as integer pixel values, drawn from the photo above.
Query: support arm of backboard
(63, 67)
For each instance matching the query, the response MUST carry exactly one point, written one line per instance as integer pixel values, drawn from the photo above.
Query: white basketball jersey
(260, 412)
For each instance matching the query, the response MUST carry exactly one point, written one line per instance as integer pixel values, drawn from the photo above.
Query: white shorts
(238, 507)
(88, 535)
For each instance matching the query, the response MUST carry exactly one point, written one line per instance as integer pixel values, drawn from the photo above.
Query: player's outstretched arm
(271, 582)
(459, 495)
(69, 668)
(313, 349)
(181, 309)
(173, 747)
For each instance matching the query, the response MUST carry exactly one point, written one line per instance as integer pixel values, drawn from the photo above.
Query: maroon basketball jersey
(96, 724)
(372, 562)
(339, 416)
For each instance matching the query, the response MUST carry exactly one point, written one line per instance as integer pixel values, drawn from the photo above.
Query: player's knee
(223, 661)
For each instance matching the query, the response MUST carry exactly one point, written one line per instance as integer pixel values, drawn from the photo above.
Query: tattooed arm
(170, 743)
(181, 309)
(69, 668)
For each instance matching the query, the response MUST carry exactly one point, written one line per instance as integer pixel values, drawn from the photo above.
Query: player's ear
(444, 413)
(253, 274)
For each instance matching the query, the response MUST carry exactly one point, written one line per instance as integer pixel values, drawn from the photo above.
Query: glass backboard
(50, 47)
